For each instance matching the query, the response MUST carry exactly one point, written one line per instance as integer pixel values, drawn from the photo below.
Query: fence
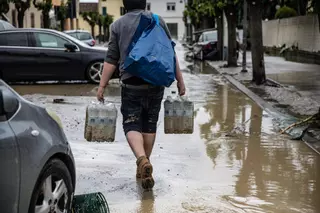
(301, 31)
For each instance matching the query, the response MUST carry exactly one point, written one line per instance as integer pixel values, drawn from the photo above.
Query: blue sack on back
(151, 54)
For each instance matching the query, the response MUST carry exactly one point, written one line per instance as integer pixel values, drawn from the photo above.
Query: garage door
(173, 28)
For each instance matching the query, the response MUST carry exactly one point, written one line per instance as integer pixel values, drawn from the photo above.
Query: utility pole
(245, 35)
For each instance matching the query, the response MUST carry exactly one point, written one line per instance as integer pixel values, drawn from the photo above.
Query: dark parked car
(206, 46)
(5, 25)
(43, 54)
(82, 35)
(37, 166)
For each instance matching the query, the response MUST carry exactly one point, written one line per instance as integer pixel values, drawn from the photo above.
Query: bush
(285, 12)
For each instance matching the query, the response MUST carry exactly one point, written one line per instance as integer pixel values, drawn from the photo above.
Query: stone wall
(301, 31)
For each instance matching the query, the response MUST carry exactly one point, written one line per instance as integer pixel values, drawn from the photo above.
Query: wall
(37, 16)
(113, 8)
(27, 17)
(302, 31)
(160, 7)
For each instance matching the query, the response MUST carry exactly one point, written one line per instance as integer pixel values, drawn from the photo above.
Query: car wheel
(94, 72)
(54, 189)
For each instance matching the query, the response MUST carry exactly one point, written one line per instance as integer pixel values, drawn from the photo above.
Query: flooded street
(234, 161)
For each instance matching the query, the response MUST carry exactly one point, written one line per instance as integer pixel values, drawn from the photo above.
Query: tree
(201, 14)
(45, 6)
(92, 19)
(255, 15)
(106, 22)
(4, 7)
(315, 4)
(62, 14)
(21, 6)
(230, 7)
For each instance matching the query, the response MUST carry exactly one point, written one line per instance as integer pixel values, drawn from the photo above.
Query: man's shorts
(140, 108)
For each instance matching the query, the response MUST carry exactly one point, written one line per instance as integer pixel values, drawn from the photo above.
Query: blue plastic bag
(151, 53)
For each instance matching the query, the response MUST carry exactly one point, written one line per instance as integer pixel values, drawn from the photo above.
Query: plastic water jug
(178, 115)
(101, 122)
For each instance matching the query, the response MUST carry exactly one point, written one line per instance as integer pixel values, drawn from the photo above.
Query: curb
(307, 139)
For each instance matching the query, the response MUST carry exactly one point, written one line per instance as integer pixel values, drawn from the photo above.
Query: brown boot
(138, 174)
(145, 171)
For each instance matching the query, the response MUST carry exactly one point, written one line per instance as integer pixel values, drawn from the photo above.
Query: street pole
(244, 38)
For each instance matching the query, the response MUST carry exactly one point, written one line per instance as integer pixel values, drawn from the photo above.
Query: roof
(76, 31)
(206, 30)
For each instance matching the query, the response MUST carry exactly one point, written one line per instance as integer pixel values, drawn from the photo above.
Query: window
(122, 11)
(49, 40)
(3, 39)
(104, 11)
(14, 39)
(171, 6)
(149, 6)
(32, 20)
(210, 36)
(13, 14)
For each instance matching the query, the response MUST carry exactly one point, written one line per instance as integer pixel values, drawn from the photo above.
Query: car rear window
(14, 39)
(8, 26)
(211, 36)
(81, 35)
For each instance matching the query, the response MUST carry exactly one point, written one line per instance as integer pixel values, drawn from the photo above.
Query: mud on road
(234, 161)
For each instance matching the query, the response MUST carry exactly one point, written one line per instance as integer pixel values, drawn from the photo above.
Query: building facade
(33, 17)
(172, 13)
(112, 7)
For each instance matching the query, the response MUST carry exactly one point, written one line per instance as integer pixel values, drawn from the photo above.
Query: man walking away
(140, 101)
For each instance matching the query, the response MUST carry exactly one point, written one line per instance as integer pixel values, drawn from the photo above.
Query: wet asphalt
(235, 161)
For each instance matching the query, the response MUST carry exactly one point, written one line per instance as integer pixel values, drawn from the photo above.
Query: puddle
(79, 89)
(234, 162)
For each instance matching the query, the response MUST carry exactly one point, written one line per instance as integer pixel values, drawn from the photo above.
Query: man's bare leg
(135, 140)
(148, 140)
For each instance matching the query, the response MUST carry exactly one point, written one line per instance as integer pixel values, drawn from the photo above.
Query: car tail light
(207, 46)
(93, 42)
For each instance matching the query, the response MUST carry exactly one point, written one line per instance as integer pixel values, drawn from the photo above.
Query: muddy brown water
(233, 162)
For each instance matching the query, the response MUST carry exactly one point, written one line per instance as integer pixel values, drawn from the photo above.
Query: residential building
(172, 13)
(33, 17)
(112, 7)
(103, 7)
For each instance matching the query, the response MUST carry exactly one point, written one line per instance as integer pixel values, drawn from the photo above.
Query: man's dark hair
(134, 4)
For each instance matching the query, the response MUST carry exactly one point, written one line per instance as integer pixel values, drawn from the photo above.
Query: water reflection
(274, 173)
(200, 67)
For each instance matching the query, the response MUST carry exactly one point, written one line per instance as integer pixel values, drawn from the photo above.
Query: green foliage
(285, 12)
(63, 11)
(21, 5)
(199, 9)
(4, 6)
(44, 5)
(91, 17)
(107, 20)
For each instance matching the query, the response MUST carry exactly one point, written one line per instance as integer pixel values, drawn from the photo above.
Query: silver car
(36, 162)
(82, 35)
(5, 25)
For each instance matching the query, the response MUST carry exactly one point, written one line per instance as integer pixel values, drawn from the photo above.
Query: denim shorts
(140, 108)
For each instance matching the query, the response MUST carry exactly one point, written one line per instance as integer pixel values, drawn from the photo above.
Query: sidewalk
(301, 82)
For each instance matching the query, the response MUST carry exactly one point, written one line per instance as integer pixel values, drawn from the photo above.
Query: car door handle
(35, 133)
(43, 54)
